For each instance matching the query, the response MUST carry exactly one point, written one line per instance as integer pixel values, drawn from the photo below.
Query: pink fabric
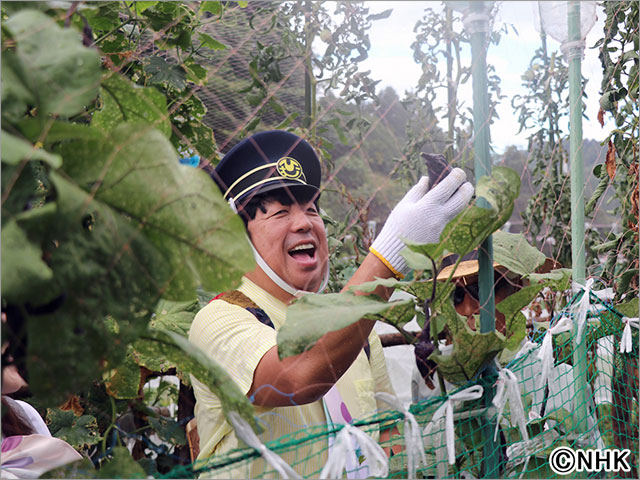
(29, 456)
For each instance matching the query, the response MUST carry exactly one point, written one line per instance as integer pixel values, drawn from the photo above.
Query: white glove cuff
(387, 247)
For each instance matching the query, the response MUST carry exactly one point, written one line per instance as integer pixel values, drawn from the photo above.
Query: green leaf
(188, 357)
(312, 316)
(124, 381)
(60, 72)
(22, 266)
(122, 465)
(57, 131)
(214, 8)
(103, 266)
(168, 430)
(141, 6)
(208, 41)
(77, 431)
(161, 72)
(558, 279)
(628, 309)
(174, 316)
(123, 101)
(15, 150)
(200, 138)
(415, 260)
(471, 350)
(16, 96)
(368, 287)
(196, 73)
(179, 209)
(512, 251)
(516, 322)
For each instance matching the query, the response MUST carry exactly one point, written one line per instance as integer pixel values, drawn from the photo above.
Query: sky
(391, 60)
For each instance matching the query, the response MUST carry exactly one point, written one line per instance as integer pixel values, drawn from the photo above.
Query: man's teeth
(304, 246)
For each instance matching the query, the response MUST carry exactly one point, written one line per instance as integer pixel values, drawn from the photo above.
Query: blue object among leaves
(193, 161)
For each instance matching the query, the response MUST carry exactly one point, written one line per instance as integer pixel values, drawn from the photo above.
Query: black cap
(267, 161)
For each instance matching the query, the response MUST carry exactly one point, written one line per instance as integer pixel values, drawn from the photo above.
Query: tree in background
(547, 218)
(619, 57)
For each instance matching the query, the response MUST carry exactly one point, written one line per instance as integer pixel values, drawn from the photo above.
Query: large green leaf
(516, 322)
(188, 357)
(123, 101)
(471, 350)
(103, 266)
(56, 131)
(179, 209)
(77, 431)
(22, 266)
(63, 75)
(15, 150)
(312, 316)
(512, 251)
(16, 97)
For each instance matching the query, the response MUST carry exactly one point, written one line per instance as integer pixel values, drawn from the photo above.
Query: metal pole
(574, 49)
(476, 22)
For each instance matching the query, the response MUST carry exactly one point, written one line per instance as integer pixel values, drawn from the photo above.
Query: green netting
(553, 417)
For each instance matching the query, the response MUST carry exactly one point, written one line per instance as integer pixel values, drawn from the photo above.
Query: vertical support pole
(482, 165)
(574, 54)
(308, 110)
(476, 22)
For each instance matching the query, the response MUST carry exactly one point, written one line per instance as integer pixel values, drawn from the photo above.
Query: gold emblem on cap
(290, 168)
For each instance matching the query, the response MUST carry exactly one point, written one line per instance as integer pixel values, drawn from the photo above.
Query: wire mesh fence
(550, 409)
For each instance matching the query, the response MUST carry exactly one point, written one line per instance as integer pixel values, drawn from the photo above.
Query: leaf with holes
(160, 72)
(78, 431)
(179, 209)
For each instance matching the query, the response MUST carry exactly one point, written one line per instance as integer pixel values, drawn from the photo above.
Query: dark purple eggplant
(437, 167)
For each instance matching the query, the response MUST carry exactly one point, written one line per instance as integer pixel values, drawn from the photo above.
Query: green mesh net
(582, 409)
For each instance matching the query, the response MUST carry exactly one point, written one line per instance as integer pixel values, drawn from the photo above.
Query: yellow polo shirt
(236, 340)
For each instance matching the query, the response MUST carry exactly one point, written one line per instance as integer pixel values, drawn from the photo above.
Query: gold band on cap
(250, 172)
(268, 180)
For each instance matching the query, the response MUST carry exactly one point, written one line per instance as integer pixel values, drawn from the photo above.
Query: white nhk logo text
(565, 460)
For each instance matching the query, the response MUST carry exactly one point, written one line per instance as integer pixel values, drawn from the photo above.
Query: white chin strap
(281, 283)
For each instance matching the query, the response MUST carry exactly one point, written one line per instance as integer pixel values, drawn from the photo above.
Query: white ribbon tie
(414, 446)
(626, 341)
(245, 433)
(545, 354)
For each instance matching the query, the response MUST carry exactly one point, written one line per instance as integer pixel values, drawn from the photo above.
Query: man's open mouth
(303, 251)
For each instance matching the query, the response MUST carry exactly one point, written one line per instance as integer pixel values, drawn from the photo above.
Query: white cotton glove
(420, 217)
